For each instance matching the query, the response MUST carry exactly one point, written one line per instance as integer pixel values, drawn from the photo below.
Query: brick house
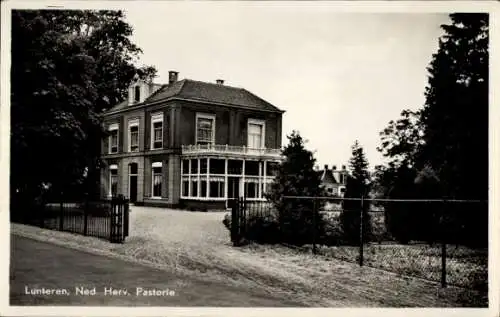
(333, 180)
(190, 144)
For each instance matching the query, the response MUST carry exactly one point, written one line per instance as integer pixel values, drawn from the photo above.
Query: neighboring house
(333, 180)
(190, 143)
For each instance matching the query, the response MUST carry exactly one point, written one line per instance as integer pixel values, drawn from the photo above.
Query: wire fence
(439, 240)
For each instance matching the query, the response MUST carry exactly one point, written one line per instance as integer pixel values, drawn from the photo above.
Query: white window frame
(262, 123)
(114, 127)
(133, 123)
(156, 164)
(113, 167)
(200, 115)
(157, 117)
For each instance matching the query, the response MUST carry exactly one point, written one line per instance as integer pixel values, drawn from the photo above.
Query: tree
(296, 177)
(455, 120)
(358, 186)
(455, 114)
(66, 67)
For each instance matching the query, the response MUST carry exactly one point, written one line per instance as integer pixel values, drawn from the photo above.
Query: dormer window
(137, 93)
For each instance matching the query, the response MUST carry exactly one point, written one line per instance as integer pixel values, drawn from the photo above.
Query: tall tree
(66, 67)
(455, 114)
(358, 186)
(296, 177)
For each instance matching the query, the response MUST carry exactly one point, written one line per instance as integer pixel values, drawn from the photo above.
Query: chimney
(172, 77)
(219, 81)
(334, 167)
(326, 167)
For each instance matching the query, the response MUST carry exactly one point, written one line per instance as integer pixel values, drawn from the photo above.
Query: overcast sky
(339, 76)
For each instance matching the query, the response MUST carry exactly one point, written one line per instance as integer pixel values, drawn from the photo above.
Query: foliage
(455, 114)
(67, 66)
(296, 177)
(357, 186)
(445, 142)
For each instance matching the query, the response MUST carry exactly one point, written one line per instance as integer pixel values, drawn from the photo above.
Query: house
(191, 144)
(333, 180)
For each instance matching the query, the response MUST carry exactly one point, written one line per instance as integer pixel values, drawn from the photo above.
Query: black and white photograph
(247, 155)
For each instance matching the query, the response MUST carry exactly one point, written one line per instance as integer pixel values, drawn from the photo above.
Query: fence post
(85, 215)
(443, 246)
(314, 227)
(126, 222)
(112, 219)
(235, 222)
(61, 213)
(361, 233)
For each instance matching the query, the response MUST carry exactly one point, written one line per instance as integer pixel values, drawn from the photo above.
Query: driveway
(79, 278)
(197, 245)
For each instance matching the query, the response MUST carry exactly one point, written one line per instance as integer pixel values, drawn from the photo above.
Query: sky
(340, 76)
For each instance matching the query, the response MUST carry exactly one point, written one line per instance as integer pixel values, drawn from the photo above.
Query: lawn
(465, 267)
(197, 244)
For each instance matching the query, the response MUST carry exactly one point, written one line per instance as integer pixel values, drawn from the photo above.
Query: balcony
(231, 150)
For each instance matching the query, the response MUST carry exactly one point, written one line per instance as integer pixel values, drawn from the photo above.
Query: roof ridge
(214, 84)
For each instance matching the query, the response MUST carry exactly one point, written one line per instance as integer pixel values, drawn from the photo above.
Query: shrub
(260, 229)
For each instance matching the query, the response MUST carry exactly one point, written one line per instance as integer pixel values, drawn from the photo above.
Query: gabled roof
(328, 177)
(205, 92)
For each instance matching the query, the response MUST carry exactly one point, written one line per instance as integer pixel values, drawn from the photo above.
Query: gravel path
(197, 244)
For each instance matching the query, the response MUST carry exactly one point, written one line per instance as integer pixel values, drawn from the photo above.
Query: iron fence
(439, 240)
(106, 219)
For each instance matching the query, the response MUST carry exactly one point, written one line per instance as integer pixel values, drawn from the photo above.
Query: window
(133, 168)
(203, 188)
(205, 129)
(113, 138)
(113, 180)
(203, 166)
(133, 136)
(194, 166)
(185, 166)
(216, 187)
(185, 187)
(342, 179)
(252, 168)
(256, 134)
(251, 189)
(194, 188)
(157, 179)
(217, 166)
(235, 167)
(157, 131)
(137, 93)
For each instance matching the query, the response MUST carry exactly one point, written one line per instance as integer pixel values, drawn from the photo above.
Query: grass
(465, 267)
(198, 244)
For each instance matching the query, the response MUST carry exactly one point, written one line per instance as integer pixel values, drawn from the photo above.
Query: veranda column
(208, 174)
(265, 176)
(260, 181)
(242, 189)
(198, 180)
(225, 178)
(189, 179)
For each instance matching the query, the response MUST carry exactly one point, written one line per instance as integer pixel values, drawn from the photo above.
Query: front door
(133, 188)
(132, 182)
